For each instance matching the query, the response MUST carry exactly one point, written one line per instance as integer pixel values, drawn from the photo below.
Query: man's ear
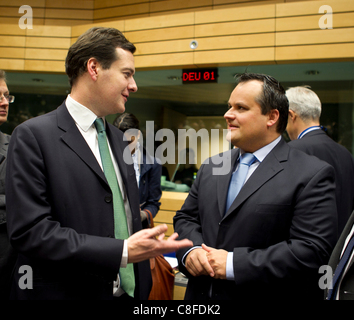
(93, 68)
(273, 117)
(292, 115)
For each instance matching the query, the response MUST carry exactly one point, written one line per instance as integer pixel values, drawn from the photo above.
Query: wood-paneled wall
(42, 48)
(299, 37)
(271, 33)
(126, 9)
(69, 13)
(49, 12)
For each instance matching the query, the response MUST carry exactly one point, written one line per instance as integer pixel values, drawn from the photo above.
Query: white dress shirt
(84, 119)
(137, 162)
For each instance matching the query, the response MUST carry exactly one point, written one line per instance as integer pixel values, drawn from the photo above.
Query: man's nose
(228, 114)
(133, 86)
(3, 100)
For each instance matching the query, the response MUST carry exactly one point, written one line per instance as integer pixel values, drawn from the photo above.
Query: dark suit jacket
(7, 254)
(346, 290)
(281, 227)
(60, 211)
(318, 144)
(150, 184)
(4, 144)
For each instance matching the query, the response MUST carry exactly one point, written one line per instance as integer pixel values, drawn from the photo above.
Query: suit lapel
(223, 180)
(120, 151)
(266, 170)
(76, 142)
(336, 254)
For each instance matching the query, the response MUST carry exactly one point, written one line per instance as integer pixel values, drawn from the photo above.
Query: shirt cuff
(230, 266)
(185, 255)
(124, 260)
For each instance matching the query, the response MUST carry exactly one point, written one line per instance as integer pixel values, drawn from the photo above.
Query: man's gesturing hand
(150, 243)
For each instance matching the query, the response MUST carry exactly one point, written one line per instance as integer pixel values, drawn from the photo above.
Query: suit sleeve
(33, 228)
(154, 189)
(312, 237)
(187, 221)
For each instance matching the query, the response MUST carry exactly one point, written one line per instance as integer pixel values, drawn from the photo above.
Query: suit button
(108, 198)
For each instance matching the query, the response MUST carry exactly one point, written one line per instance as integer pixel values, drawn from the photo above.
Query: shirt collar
(261, 153)
(83, 116)
(137, 149)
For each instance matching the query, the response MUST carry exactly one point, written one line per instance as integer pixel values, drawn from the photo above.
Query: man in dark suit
(306, 134)
(7, 254)
(280, 228)
(345, 289)
(62, 206)
(147, 168)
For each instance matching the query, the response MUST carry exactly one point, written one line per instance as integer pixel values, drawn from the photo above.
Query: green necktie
(127, 278)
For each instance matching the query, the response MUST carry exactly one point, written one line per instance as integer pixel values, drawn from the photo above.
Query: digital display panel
(190, 76)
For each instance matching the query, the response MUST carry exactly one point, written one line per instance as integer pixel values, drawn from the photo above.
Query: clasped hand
(207, 261)
(150, 243)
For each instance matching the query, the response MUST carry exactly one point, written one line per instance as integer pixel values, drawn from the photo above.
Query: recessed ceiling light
(194, 44)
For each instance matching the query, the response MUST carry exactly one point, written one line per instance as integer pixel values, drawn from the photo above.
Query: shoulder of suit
(306, 161)
(320, 142)
(219, 158)
(39, 120)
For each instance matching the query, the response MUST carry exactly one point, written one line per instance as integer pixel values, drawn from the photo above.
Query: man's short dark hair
(99, 43)
(273, 97)
(126, 121)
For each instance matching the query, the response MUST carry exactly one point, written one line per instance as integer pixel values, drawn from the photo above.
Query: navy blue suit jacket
(346, 289)
(319, 144)
(150, 184)
(281, 227)
(60, 211)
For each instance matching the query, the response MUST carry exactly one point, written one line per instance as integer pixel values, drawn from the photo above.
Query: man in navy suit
(7, 254)
(60, 205)
(345, 288)
(147, 168)
(307, 135)
(282, 225)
